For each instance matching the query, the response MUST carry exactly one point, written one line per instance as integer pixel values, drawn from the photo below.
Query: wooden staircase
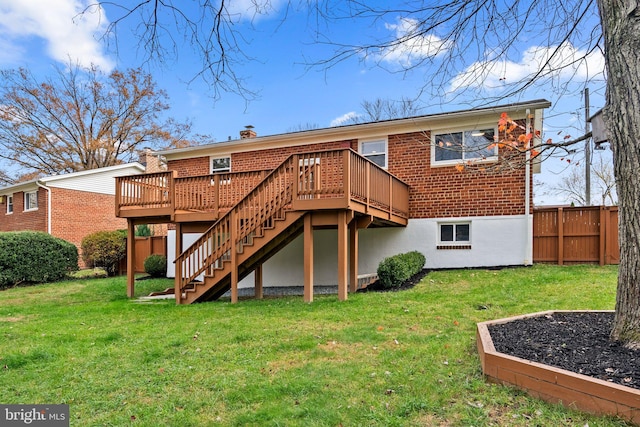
(256, 228)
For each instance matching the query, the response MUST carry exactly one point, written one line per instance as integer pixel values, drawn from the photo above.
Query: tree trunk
(621, 26)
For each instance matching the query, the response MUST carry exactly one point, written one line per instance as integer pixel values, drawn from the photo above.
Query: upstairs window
(10, 204)
(220, 164)
(31, 201)
(375, 150)
(465, 145)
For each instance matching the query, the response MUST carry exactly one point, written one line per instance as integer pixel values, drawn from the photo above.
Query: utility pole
(587, 151)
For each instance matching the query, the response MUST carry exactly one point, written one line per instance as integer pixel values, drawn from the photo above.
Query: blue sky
(41, 34)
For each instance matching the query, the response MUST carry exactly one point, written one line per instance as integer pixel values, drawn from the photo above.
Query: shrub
(394, 271)
(34, 257)
(156, 265)
(104, 249)
(143, 230)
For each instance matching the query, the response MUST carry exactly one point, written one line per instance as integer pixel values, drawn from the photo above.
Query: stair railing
(267, 200)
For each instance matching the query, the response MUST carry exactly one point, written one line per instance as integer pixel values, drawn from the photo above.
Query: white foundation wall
(495, 241)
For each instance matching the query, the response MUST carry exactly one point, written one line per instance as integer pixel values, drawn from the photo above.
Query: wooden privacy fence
(145, 246)
(576, 235)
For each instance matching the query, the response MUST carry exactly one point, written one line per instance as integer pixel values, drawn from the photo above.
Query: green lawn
(383, 359)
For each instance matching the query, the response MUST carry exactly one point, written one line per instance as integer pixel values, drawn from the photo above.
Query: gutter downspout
(528, 258)
(48, 204)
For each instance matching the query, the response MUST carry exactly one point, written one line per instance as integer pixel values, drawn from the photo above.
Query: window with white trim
(10, 204)
(220, 164)
(375, 150)
(30, 200)
(452, 147)
(454, 233)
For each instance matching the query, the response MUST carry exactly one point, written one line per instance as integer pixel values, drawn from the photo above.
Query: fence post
(560, 220)
(603, 234)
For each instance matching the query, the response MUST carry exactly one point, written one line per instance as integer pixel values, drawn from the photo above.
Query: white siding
(95, 181)
(496, 241)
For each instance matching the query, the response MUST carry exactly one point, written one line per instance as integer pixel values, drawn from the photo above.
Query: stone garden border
(553, 384)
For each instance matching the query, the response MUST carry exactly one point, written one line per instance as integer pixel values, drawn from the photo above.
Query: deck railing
(214, 193)
(326, 177)
(146, 191)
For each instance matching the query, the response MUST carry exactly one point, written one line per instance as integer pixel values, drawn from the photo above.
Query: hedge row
(394, 271)
(34, 257)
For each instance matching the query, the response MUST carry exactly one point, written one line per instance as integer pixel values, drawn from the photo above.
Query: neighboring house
(325, 206)
(68, 206)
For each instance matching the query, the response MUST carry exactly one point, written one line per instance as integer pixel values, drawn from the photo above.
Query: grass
(380, 359)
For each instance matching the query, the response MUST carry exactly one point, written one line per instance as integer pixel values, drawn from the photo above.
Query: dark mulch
(577, 342)
(408, 284)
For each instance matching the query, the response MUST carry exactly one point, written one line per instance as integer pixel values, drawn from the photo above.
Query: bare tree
(385, 109)
(81, 119)
(572, 185)
(467, 45)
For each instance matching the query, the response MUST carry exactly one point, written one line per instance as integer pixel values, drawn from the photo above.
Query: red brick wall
(438, 192)
(19, 220)
(271, 158)
(75, 214)
(442, 192)
(190, 167)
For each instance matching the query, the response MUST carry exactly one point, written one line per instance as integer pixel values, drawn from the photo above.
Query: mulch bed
(408, 284)
(577, 342)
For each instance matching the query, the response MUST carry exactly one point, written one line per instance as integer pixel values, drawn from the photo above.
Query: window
(376, 151)
(466, 145)
(31, 201)
(455, 233)
(220, 164)
(10, 204)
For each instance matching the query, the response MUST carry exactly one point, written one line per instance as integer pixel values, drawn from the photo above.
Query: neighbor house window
(465, 145)
(220, 164)
(375, 150)
(10, 204)
(30, 200)
(455, 233)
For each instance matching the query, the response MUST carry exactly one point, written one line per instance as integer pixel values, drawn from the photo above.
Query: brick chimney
(248, 132)
(151, 162)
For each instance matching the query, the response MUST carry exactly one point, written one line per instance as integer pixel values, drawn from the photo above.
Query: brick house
(325, 206)
(68, 206)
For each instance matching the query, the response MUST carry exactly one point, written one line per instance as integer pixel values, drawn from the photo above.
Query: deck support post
(343, 257)
(353, 256)
(131, 257)
(308, 259)
(177, 290)
(257, 280)
(233, 234)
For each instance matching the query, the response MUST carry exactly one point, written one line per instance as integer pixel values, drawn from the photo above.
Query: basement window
(454, 235)
(31, 201)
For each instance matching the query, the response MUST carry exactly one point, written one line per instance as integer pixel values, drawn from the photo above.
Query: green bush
(143, 230)
(104, 249)
(34, 257)
(156, 265)
(394, 271)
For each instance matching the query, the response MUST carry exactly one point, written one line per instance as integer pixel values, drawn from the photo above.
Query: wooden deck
(249, 215)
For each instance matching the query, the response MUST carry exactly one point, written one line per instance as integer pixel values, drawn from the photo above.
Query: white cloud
(66, 33)
(410, 44)
(564, 62)
(344, 119)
